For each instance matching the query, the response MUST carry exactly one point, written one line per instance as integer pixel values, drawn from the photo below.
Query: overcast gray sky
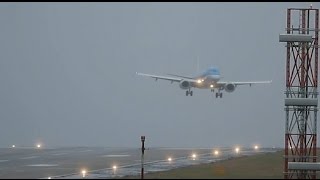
(67, 73)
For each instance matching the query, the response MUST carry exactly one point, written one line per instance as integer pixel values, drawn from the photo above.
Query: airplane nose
(216, 77)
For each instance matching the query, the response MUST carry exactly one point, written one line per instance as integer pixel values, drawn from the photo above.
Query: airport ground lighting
(237, 150)
(194, 156)
(114, 168)
(83, 172)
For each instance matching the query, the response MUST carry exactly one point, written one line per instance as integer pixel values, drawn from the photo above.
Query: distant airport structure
(301, 101)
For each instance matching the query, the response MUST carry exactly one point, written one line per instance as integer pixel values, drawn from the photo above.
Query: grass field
(260, 166)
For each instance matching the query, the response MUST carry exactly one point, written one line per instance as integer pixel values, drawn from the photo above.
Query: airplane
(209, 79)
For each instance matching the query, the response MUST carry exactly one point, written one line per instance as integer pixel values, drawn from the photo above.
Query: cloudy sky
(67, 73)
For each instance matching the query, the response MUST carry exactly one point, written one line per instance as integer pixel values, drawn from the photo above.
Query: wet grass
(261, 166)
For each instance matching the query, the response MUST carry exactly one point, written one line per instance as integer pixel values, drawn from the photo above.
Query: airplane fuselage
(207, 80)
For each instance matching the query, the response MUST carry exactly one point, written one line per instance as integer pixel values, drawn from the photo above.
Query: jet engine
(229, 87)
(184, 84)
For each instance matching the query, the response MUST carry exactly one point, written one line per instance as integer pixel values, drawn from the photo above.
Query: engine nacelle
(184, 84)
(229, 87)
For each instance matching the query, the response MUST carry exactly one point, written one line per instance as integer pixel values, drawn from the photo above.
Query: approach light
(83, 173)
(237, 150)
(114, 167)
(194, 156)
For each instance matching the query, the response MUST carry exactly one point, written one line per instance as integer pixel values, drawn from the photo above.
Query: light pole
(142, 154)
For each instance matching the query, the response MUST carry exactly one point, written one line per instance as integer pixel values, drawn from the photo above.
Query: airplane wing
(172, 79)
(186, 77)
(245, 82)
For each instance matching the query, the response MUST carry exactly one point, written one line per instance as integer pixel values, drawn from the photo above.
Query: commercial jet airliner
(210, 79)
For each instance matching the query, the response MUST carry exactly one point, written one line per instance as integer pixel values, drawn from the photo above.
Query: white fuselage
(207, 81)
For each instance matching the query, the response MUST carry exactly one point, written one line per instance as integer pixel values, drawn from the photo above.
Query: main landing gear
(218, 94)
(189, 92)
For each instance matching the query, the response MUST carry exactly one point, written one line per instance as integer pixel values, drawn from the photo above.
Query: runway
(67, 163)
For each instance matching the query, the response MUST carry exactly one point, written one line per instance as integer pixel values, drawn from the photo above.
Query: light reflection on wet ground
(164, 164)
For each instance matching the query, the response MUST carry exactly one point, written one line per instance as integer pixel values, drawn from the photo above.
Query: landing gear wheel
(219, 94)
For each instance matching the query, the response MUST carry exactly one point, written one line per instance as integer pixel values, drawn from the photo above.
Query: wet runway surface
(98, 162)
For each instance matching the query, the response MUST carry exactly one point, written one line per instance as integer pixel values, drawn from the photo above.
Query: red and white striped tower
(301, 100)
